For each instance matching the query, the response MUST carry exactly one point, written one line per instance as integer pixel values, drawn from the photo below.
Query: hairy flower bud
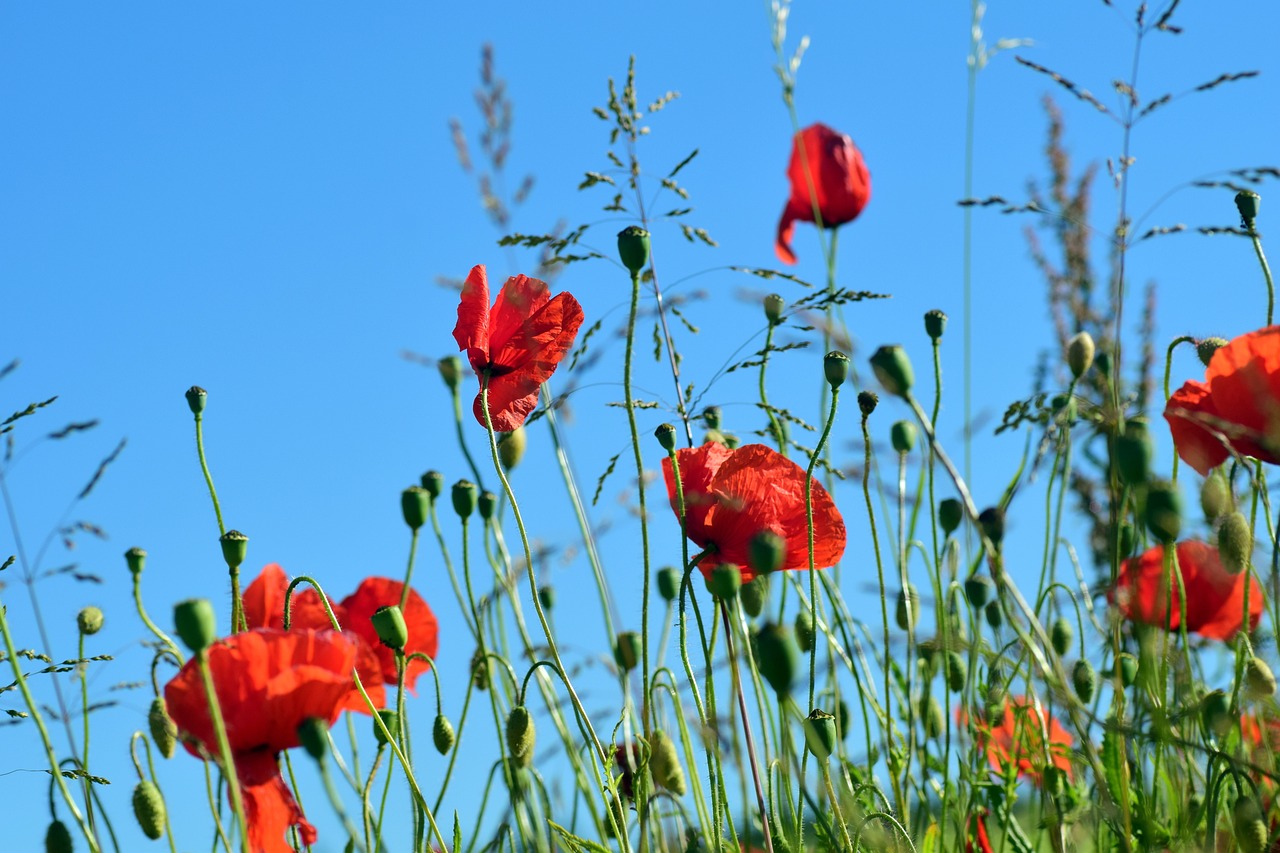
(164, 732)
(89, 620)
(991, 520)
(664, 763)
(777, 659)
(450, 368)
(977, 589)
(1080, 352)
(950, 514)
(195, 623)
(389, 625)
(521, 735)
(1249, 828)
(511, 447)
(1235, 542)
(389, 719)
(669, 579)
(442, 734)
(1085, 680)
(753, 595)
(1060, 635)
(766, 552)
(148, 808)
(902, 436)
(1164, 512)
(626, 650)
(931, 715)
(57, 838)
(892, 367)
(313, 734)
(1133, 453)
(1215, 499)
(1259, 681)
(957, 671)
(1206, 347)
(805, 634)
(905, 596)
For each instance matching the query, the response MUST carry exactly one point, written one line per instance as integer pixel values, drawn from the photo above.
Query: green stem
(208, 478)
(808, 519)
(746, 728)
(1266, 270)
(226, 758)
(82, 668)
(647, 717)
(408, 572)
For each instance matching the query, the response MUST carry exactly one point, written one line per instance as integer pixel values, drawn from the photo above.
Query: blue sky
(259, 199)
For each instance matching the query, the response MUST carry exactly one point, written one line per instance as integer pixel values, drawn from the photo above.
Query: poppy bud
(1085, 680)
(957, 671)
(1164, 511)
(136, 559)
(892, 367)
(626, 650)
(1235, 543)
(995, 616)
(547, 597)
(724, 581)
(511, 447)
(977, 588)
(1248, 202)
(89, 620)
(442, 734)
(1259, 681)
(950, 514)
(766, 552)
(820, 734)
(388, 624)
(479, 671)
(148, 808)
(669, 579)
(774, 305)
(914, 599)
(1247, 824)
(391, 721)
(996, 705)
(433, 482)
(805, 633)
(931, 715)
(1060, 635)
(1214, 499)
(711, 417)
(164, 732)
(777, 659)
(1206, 347)
(1080, 351)
(450, 368)
(935, 323)
(1128, 669)
(464, 498)
(57, 838)
(234, 546)
(195, 623)
(415, 505)
(664, 763)
(633, 248)
(1215, 712)
(487, 504)
(666, 435)
(313, 734)
(991, 520)
(1133, 453)
(842, 718)
(835, 365)
(196, 398)
(867, 402)
(902, 435)
(521, 735)
(754, 595)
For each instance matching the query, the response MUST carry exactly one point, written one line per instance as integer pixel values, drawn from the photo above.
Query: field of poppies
(828, 644)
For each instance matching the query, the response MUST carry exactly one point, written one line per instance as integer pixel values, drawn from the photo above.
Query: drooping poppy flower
(1018, 741)
(1215, 597)
(516, 343)
(832, 165)
(1238, 404)
(732, 495)
(264, 608)
(267, 683)
(421, 622)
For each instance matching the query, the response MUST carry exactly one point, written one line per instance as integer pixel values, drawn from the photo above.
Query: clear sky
(259, 198)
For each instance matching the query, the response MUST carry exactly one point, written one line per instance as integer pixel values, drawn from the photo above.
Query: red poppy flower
(1215, 597)
(1238, 403)
(267, 683)
(832, 165)
(517, 343)
(978, 841)
(732, 495)
(1018, 741)
(421, 622)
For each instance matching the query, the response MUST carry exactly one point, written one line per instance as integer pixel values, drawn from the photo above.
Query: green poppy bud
(977, 588)
(89, 620)
(1128, 669)
(950, 514)
(389, 625)
(464, 498)
(909, 594)
(820, 734)
(995, 616)
(1248, 826)
(1064, 405)
(1080, 352)
(196, 398)
(892, 367)
(547, 597)
(57, 838)
(164, 732)
(195, 623)
(664, 763)
(766, 552)
(480, 671)
(836, 368)
(1164, 512)
(777, 659)
(148, 808)
(1259, 681)
(711, 417)
(805, 634)
(511, 447)
(902, 435)
(391, 721)
(234, 547)
(1215, 500)
(1060, 635)
(136, 559)
(935, 323)
(669, 579)
(1085, 680)
(991, 520)
(433, 482)
(774, 305)
(1248, 202)
(724, 581)
(313, 734)
(442, 734)
(521, 735)
(957, 671)
(487, 504)
(666, 435)
(931, 715)
(450, 368)
(1235, 543)
(633, 248)
(1206, 347)
(1133, 453)
(867, 402)
(415, 505)
(626, 650)
(753, 595)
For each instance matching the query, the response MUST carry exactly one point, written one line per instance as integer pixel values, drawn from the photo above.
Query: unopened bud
(724, 581)
(777, 660)
(547, 597)
(1215, 500)
(950, 514)
(196, 398)
(57, 838)
(1164, 512)
(442, 734)
(195, 623)
(464, 498)
(995, 616)
(511, 447)
(415, 505)
(893, 369)
(669, 579)
(902, 435)
(805, 634)
(1235, 542)
(633, 248)
(711, 417)
(389, 719)
(164, 732)
(664, 763)
(774, 305)
(388, 624)
(1248, 826)
(1080, 352)
(957, 671)
(148, 808)
(908, 596)
(521, 735)
(977, 589)
(1133, 453)
(1206, 347)
(626, 650)
(1085, 680)
(1128, 669)
(820, 734)
(666, 435)
(931, 716)
(1248, 202)
(1060, 635)
(450, 368)
(991, 520)
(89, 620)
(835, 365)
(1259, 681)
(753, 595)
(136, 559)
(313, 734)
(766, 552)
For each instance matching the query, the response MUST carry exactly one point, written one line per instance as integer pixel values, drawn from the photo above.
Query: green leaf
(574, 844)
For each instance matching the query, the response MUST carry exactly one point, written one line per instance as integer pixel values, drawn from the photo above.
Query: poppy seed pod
(511, 447)
(666, 435)
(313, 734)
(1248, 202)
(389, 624)
(1080, 352)
(753, 595)
(196, 399)
(1235, 543)
(820, 734)
(1249, 828)
(991, 520)
(391, 721)
(234, 547)
(805, 633)
(1085, 680)
(767, 552)
(148, 808)
(935, 323)
(442, 734)
(195, 623)
(1060, 635)
(950, 514)
(415, 506)
(57, 838)
(1259, 681)
(774, 305)
(433, 482)
(777, 659)
(957, 671)
(902, 436)
(724, 581)
(995, 616)
(464, 498)
(521, 735)
(669, 579)
(547, 597)
(904, 596)
(977, 589)
(487, 505)
(1206, 347)
(1215, 500)
(89, 620)
(136, 559)
(164, 734)
(633, 248)
(867, 402)
(892, 367)
(664, 763)
(1164, 511)
(626, 650)
(835, 366)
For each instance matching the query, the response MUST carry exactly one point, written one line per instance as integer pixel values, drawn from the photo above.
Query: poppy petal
(1244, 381)
(1187, 411)
(269, 807)
(472, 329)
(423, 631)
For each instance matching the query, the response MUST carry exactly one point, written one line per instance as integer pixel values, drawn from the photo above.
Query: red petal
(472, 329)
(264, 603)
(269, 808)
(423, 630)
(698, 465)
(1189, 411)
(791, 213)
(1244, 381)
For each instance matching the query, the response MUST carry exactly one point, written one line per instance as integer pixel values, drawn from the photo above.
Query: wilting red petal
(733, 495)
(1019, 741)
(1189, 412)
(1215, 597)
(1244, 382)
(269, 808)
(420, 621)
(828, 162)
